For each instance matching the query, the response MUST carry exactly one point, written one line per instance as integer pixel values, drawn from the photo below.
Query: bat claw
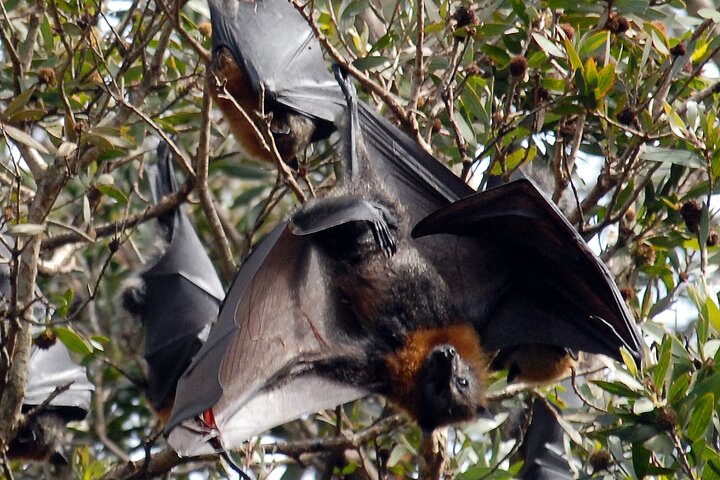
(384, 238)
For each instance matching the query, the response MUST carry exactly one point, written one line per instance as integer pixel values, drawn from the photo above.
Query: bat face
(422, 358)
(449, 388)
(40, 439)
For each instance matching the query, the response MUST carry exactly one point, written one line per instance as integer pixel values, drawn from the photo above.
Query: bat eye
(462, 383)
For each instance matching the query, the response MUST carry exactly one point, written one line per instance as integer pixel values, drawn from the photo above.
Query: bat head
(450, 389)
(39, 439)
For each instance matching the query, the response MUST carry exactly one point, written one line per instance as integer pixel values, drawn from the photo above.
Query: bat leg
(357, 226)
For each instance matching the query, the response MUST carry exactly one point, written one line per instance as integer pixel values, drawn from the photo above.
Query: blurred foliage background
(612, 105)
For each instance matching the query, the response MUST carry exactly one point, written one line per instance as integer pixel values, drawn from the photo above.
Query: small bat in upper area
(49, 369)
(543, 447)
(266, 42)
(342, 301)
(179, 296)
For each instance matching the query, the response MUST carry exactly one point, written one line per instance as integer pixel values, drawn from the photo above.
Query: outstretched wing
(553, 289)
(275, 46)
(278, 318)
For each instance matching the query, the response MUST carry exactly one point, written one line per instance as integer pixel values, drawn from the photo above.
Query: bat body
(179, 297)
(41, 437)
(266, 44)
(49, 369)
(343, 301)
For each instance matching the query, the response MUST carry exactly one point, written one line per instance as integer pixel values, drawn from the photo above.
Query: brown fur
(292, 132)
(404, 365)
(540, 363)
(237, 84)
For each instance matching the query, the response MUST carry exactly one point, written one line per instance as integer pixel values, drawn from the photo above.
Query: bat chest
(390, 298)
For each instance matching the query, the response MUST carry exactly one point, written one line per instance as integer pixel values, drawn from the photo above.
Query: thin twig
(37, 409)
(364, 80)
(27, 48)
(562, 181)
(226, 256)
(433, 449)
(175, 18)
(682, 457)
(419, 70)
(165, 204)
(6, 467)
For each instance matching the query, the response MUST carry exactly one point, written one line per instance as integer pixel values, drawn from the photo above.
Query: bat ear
(133, 297)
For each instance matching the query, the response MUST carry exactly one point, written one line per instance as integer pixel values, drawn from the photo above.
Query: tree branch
(228, 264)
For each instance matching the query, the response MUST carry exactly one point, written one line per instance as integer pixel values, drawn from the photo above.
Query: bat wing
(543, 445)
(53, 368)
(278, 317)
(417, 180)
(182, 293)
(277, 48)
(547, 282)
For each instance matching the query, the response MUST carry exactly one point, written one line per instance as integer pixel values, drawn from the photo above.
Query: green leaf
(72, 341)
(629, 361)
(701, 416)
(663, 365)
(713, 313)
(496, 54)
(18, 103)
(638, 7)
(678, 389)
(640, 459)
(113, 193)
(573, 55)
(593, 42)
(547, 45)
(676, 123)
(685, 158)
(709, 14)
(368, 63)
(591, 74)
(617, 389)
(711, 470)
(606, 79)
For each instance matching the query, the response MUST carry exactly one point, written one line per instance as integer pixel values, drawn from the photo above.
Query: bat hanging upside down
(348, 299)
(266, 44)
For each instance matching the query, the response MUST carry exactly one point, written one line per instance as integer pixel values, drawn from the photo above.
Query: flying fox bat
(267, 42)
(543, 447)
(41, 437)
(342, 301)
(49, 369)
(179, 297)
